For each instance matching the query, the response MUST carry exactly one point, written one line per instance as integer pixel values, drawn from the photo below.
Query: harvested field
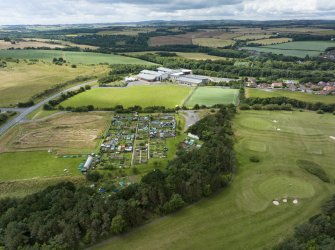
(271, 41)
(62, 43)
(252, 37)
(64, 133)
(25, 44)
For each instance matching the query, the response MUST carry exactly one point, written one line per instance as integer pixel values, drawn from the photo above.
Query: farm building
(276, 85)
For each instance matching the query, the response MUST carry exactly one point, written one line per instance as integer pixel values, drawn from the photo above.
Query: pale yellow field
(271, 41)
(62, 43)
(25, 44)
(19, 82)
(63, 133)
(252, 37)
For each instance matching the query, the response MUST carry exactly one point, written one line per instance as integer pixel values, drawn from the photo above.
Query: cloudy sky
(107, 11)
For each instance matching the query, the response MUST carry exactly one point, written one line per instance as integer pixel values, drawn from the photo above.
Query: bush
(257, 106)
(244, 107)
(320, 111)
(314, 169)
(93, 176)
(254, 158)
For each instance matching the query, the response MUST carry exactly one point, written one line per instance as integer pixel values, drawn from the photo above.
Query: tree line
(66, 216)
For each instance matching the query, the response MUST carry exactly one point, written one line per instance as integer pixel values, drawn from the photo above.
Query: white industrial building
(153, 76)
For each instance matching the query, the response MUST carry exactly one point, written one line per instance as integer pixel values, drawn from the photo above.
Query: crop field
(227, 220)
(210, 96)
(61, 42)
(306, 30)
(154, 95)
(64, 133)
(25, 44)
(212, 42)
(72, 57)
(126, 32)
(290, 94)
(189, 36)
(19, 82)
(198, 56)
(271, 41)
(252, 37)
(298, 49)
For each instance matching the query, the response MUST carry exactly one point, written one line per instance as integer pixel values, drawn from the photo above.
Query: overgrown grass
(314, 169)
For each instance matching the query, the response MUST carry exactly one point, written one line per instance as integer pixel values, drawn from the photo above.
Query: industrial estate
(168, 135)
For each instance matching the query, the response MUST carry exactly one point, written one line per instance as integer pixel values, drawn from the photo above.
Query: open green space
(154, 95)
(72, 57)
(37, 164)
(243, 216)
(290, 94)
(21, 81)
(210, 96)
(298, 49)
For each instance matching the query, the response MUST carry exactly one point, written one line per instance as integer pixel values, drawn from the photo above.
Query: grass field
(19, 82)
(298, 49)
(64, 133)
(199, 56)
(270, 41)
(243, 216)
(212, 42)
(294, 95)
(210, 96)
(159, 95)
(37, 164)
(252, 37)
(72, 57)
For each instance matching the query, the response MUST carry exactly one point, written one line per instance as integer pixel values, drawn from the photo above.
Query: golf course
(268, 197)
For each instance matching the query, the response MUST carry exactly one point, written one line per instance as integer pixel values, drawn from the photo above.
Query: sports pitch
(144, 96)
(210, 96)
(227, 220)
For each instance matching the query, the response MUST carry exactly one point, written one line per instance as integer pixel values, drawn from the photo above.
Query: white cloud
(90, 11)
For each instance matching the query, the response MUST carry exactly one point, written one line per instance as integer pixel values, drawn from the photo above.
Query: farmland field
(294, 95)
(159, 95)
(252, 37)
(239, 216)
(210, 96)
(270, 41)
(19, 82)
(72, 57)
(298, 49)
(25, 44)
(212, 42)
(198, 56)
(64, 133)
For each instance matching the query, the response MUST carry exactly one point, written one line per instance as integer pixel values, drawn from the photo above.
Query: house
(329, 88)
(251, 83)
(276, 85)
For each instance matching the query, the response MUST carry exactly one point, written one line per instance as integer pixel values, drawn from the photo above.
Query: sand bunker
(295, 201)
(276, 203)
(284, 200)
(332, 137)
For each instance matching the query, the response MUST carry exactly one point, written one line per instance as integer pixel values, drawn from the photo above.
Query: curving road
(24, 112)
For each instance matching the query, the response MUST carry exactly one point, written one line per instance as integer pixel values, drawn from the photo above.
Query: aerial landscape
(167, 125)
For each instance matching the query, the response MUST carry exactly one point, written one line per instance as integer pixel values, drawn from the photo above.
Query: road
(24, 112)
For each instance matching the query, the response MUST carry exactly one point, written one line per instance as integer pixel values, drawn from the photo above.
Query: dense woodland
(66, 216)
(308, 71)
(317, 233)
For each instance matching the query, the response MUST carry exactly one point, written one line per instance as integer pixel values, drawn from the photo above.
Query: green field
(210, 96)
(243, 216)
(213, 42)
(290, 94)
(298, 49)
(72, 57)
(155, 95)
(270, 41)
(37, 164)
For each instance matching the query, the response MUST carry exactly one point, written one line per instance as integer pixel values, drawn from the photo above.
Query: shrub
(254, 158)
(320, 111)
(314, 169)
(257, 106)
(244, 107)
